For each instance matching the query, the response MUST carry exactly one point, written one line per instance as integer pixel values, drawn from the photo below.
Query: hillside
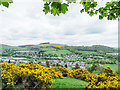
(51, 48)
(6, 47)
(94, 48)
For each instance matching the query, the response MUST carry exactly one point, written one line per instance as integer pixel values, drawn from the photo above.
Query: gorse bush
(65, 72)
(82, 74)
(8, 74)
(108, 80)
(36, 76)
(29, 75)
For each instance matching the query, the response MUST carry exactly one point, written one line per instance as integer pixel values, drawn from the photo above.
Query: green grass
(112, 66)
(20, 63)
(49, 49)
(58, 52)
(87, 52)
(68, 83)
(54, 51)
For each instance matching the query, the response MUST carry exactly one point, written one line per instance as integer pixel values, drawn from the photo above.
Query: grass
(20, 63)
(53, 51)
(49, 49)
(68, 83)
(112, 66)
(58, 52)
(87, 52)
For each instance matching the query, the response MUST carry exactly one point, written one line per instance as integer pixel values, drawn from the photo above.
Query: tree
(111, 10)
(9, 61)
(76, 66)
(66, 65)
(47, 63)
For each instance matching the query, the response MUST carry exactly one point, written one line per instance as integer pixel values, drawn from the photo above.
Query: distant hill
(94, 48)
(25, 45)
(103, 48)
(6, 47)
(46, 47)
(74, 49)
(51, 45)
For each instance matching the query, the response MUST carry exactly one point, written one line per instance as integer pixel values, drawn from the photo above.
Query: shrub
(108, 80)
(29, 75)
(65, 72)
(82, 74)
(66, 65)
(76, 66)
(47, 63)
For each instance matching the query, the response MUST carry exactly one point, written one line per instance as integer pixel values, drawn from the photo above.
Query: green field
(58, 52)
(87, 52)
(53, 51)
(68, 83)
(49, 49)
(112, 66)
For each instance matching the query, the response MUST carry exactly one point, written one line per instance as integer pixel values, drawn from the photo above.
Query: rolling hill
(51, 48)
(6, 47)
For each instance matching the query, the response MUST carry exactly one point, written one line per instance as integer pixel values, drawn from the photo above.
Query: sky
(24, 22)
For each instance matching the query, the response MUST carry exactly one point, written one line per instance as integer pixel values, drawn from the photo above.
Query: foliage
(55, 74)
(6, 2)
(47, 63)
(29, 75)
(36, 76)
(95, 68)
(65, 72)
(82, 74)
(111, 10)
(109, 80)
(76, 66)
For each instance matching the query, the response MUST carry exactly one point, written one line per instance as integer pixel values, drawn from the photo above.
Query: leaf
(109, 17)
(57, 11)
(82, 10)
(108, 3)
(10, 1)
(96, 12)
(46, 8)
(95, 4)
(53, 11)
(6, 4)
(92, 5)
(64, 8)
(86, 8)
(91, 13)
(100, 17)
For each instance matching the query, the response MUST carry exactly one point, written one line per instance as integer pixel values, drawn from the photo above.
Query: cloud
(24, 22)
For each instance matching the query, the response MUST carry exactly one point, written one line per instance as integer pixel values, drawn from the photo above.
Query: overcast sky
(24, 22)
